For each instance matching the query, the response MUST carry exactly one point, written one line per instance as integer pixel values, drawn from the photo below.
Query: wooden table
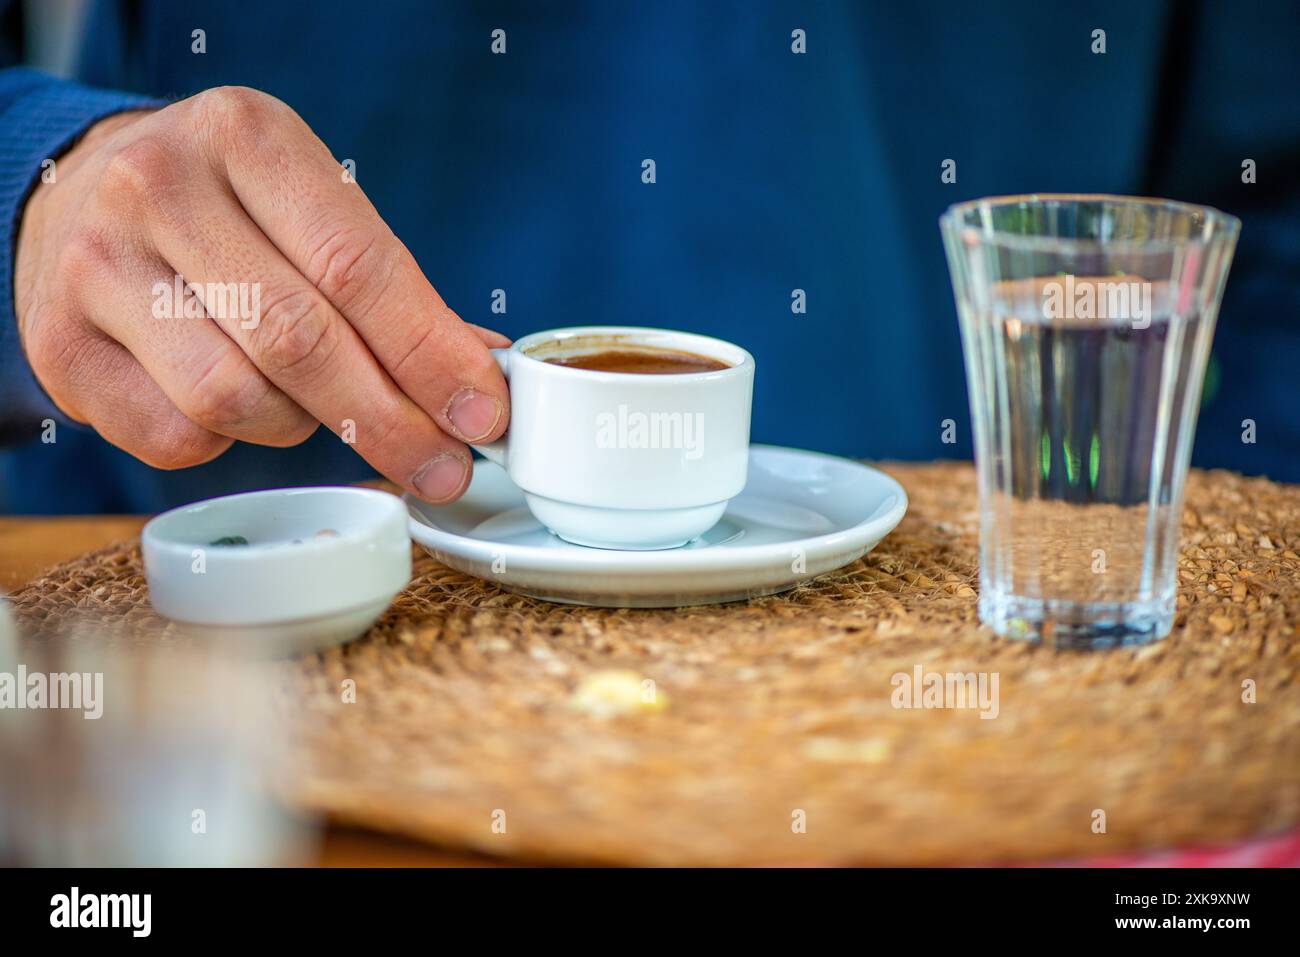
(28, 546)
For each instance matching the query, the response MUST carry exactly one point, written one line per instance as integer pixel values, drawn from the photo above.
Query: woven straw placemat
(478, 720)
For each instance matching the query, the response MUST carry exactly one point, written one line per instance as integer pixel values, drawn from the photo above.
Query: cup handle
(496, 451)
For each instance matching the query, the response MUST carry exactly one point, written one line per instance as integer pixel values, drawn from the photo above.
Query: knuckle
(301, 428)
(295, 337)
(138, 170)
(237, 112)
(352, 268)
(220, 409)
(179, 443)
(382, 439)
(222, 402)
(418, 350)
(87, 252)
(58, 351)
(238, 104)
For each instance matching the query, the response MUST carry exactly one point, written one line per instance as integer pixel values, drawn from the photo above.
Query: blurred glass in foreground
(118, 752)
(1086, 324)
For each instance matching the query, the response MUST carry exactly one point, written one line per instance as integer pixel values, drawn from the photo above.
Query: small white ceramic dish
(286, 590)
(801, 514)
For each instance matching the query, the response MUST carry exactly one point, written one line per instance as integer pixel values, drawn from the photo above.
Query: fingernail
(441, 477)
(473, 414)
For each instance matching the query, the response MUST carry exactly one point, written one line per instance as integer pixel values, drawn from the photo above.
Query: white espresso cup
(624, 460)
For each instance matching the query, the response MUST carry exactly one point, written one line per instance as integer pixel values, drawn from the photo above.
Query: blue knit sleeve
(40, 118)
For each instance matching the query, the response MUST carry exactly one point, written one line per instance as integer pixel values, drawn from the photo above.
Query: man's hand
(232, 187)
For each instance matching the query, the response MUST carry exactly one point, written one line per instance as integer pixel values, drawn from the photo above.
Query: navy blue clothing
(776, 171)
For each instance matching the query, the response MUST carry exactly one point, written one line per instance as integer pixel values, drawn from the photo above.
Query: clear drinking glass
(1086, 324)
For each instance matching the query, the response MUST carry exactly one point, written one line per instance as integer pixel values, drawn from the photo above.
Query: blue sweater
(776, 171)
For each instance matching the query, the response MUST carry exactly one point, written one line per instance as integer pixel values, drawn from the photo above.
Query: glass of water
(1086, 324)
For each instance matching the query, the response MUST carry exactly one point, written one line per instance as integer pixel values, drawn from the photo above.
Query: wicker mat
(516, 727)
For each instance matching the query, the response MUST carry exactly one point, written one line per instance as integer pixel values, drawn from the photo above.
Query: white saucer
(801, 514)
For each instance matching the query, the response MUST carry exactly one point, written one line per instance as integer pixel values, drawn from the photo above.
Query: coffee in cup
(641, 361)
